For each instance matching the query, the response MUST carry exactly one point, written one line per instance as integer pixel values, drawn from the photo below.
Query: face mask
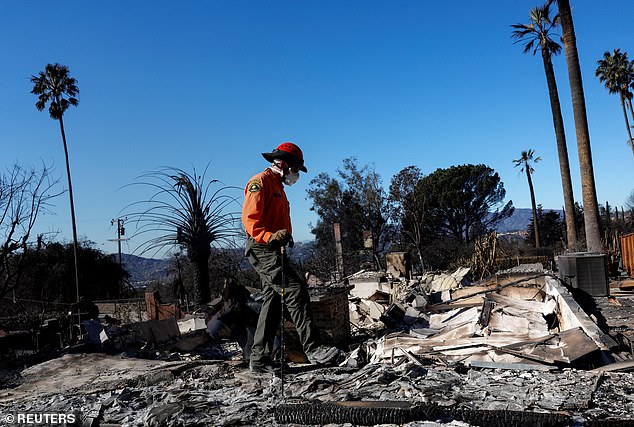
(291, 178)
(275, 167)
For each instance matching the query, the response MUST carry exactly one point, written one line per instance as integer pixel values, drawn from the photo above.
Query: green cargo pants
(267, 262)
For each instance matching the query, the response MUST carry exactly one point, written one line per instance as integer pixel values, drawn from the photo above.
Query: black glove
(281, 237)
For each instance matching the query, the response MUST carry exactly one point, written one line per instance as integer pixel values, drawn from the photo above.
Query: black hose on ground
(371, 413)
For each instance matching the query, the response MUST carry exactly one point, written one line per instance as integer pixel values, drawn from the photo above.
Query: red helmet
(288, 152)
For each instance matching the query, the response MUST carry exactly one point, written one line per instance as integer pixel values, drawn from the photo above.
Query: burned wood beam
(485, 314)
(495, 289)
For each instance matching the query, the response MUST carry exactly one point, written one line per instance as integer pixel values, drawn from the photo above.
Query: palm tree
(627, 91)
(55, 87)
(184, 212)
(588, 187)
(536, 36)
(615, 72)
(524, 162)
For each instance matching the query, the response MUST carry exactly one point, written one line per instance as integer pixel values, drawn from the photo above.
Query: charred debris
(523, 346)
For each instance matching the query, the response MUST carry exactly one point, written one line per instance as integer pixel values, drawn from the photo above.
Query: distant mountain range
(147, 269)
(519, 220)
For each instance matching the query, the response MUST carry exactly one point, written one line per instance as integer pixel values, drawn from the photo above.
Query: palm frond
(55, 85)
(538, 34)
(183, 210)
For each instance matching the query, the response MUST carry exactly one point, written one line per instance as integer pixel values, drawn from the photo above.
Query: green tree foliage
(455, 206)
(580, 224)
(186, 212)
(48, 273)
(357, 201)
(551, 227)
(616, 72)
(47, 282)
(56, 88)
(465, 200)
(408, 210)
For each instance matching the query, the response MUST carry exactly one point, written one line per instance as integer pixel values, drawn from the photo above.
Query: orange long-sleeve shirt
(265, 209)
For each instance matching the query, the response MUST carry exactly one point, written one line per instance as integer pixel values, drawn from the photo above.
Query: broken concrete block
(375, 310)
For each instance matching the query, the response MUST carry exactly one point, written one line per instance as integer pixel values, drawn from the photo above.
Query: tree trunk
(538, 239)
(588, 188)
(418, 242)
(562, 150)
(416, 239)
(72, 207)
(627, 122)
(200, 260)
(420, 259)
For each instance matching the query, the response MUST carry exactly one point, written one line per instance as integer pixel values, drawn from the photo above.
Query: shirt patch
(255, 186)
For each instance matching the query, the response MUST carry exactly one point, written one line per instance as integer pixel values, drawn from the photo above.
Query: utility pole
(119, 239)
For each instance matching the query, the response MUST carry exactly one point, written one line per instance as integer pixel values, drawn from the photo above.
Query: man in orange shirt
(267, 222)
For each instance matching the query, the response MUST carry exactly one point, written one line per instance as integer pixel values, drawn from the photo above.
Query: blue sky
(393, 83)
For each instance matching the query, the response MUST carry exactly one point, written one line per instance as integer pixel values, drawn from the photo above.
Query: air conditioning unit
(586, 271)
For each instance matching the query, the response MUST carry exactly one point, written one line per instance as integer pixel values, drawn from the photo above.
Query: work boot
(264, 367)
(323, 355)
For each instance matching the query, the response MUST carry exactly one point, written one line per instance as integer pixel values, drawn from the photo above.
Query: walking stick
(283, 253)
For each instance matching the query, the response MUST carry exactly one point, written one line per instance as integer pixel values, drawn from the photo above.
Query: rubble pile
(511, 320)
(514, 346)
